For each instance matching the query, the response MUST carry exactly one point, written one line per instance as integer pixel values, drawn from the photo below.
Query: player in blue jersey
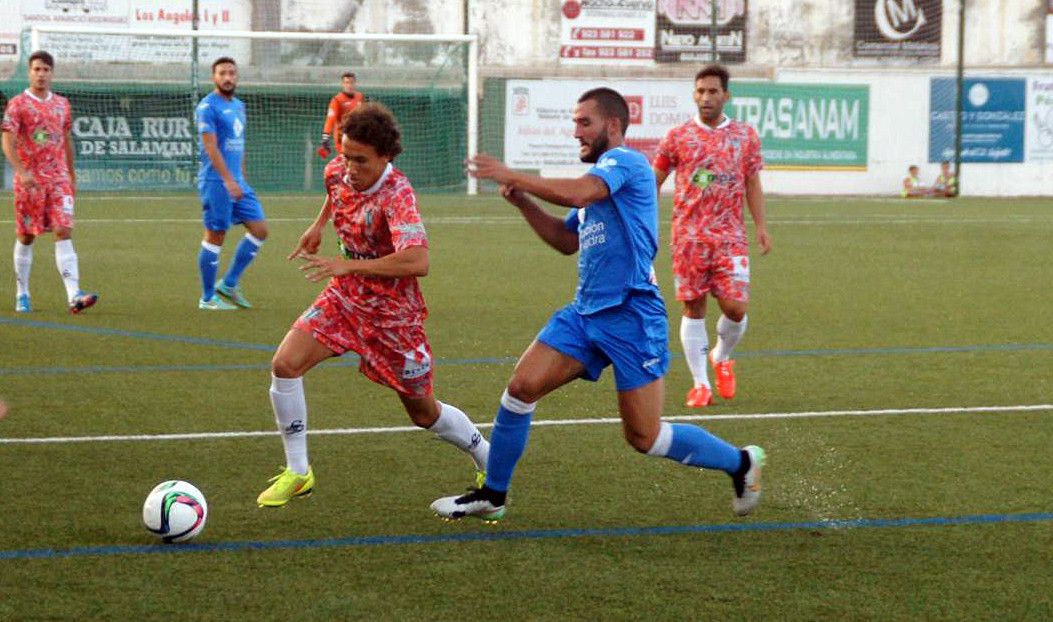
(226, 198)
(618, 317)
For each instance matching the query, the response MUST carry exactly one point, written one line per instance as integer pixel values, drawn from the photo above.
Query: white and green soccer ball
(175, 511)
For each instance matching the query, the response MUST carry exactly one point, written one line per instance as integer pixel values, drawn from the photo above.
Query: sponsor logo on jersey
(703, 178)
(352, 254)
(40, 137)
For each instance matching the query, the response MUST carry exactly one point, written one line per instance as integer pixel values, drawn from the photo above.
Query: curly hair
(374, 125)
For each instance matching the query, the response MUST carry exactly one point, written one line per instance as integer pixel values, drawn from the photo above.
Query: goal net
(133, 94)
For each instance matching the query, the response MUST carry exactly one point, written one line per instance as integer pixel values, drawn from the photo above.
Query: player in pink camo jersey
(38, 145)
(372, 305)
(717, 162)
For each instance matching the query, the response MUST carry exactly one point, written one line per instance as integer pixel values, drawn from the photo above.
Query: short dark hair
(43, 57)
(222, 60)
(717, 71)
(348, 74)
(611, 104)
(945, 163)
(374, 125)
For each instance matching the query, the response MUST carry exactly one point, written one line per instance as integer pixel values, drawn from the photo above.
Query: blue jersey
(618, 235)
(226, 119)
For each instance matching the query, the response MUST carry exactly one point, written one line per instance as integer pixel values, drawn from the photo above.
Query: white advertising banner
(605, 32)
(174, 15)
(10, 20)
(1049, 31)
(539, 130)
(1040, 119)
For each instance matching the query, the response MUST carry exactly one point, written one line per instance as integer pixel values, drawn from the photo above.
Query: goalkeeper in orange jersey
(342, 103)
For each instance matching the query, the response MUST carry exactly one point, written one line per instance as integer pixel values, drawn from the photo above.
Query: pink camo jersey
(40, 127)
(373, 223)
(709, 244)
(711, 166)
(382, 319)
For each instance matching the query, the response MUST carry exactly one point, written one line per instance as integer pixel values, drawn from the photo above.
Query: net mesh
(133, 99)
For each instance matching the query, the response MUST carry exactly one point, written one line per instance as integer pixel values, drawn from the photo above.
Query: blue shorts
(219, 211)
(632, 336)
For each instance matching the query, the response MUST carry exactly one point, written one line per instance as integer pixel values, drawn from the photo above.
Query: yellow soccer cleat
(285, 486)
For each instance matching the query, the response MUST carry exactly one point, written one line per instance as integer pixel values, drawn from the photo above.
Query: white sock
(23, 257)
(728, 335)
(663, 441)
(454, 427)
(695, 340)
(290, 413)
(66, 262)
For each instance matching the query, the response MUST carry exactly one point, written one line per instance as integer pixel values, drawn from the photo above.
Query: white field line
(543, 423)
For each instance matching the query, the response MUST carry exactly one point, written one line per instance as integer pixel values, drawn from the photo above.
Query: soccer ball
(175, 511)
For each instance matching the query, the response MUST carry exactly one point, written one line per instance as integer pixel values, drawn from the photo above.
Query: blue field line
(136, 334)
(534, 534)
(351, 359)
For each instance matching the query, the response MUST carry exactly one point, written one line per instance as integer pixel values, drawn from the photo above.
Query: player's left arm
(578, 192)
(755, 202)
(410, 261)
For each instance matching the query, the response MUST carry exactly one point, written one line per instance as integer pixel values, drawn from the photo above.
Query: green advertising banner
(143, 138)
(806, 126)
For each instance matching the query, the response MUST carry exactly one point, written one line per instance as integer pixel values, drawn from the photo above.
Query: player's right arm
(548, 227)
(24, 176)
(10, 130)
(211, 144)
(332, 116)
(664, 159)
(311, 240)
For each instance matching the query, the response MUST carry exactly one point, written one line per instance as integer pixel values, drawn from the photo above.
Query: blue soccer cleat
(215, 303)
(22, 304)
(233, 294)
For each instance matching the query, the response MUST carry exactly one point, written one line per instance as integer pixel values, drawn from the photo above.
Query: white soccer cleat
(748, 486)
(474, 504)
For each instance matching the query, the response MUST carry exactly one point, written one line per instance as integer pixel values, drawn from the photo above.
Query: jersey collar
(30, 94)
(723, 124)
(380, 180)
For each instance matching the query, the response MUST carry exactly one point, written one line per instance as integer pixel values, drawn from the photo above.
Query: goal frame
(472, 87)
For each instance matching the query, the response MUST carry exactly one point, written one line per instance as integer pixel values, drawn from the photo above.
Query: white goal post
(182, 42)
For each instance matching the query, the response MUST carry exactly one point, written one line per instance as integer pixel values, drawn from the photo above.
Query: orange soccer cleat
(699, 397)
(724, 372)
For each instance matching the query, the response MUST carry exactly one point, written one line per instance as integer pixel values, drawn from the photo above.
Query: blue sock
(243, 256)
(507, 442)
(695, 446)
(208, 264)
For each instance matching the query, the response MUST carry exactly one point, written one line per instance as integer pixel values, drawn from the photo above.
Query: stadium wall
(899, 135)
(897, 117)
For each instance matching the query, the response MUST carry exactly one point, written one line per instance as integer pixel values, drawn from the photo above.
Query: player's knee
(735, 315)
(259, 231)
(215, 237)
(524, 389)
(639, 440)
(422, 414)
(27, 238)
(63, 233)
(283, 367)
